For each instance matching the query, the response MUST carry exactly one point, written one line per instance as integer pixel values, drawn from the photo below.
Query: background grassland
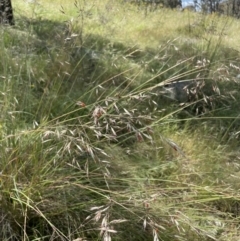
(92, 148)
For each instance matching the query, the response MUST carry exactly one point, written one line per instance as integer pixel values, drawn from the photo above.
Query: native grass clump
(114, 128)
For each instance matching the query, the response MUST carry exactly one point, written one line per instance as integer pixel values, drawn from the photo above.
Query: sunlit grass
(90, 147)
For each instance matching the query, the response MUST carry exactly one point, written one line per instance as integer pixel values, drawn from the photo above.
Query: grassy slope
(87, 146)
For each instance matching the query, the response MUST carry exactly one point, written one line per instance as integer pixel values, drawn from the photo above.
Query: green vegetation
(93, 148)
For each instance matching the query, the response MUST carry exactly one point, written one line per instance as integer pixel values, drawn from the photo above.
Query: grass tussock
(118, 123)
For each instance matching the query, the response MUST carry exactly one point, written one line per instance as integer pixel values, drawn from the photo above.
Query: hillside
(119, 122)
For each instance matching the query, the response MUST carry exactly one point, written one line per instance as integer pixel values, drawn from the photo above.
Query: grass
(91, 148)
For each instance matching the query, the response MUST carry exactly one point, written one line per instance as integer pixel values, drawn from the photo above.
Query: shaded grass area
(91, 148)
